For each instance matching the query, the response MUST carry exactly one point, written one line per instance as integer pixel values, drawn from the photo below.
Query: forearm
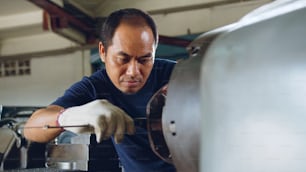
(34, 128)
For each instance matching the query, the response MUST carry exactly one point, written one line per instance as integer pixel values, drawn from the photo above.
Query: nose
(133, 69)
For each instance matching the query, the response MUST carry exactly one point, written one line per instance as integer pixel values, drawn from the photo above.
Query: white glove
(103, 118)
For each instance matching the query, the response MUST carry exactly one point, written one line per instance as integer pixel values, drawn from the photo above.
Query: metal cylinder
(181, 114)
(253, 94)
(238, 103)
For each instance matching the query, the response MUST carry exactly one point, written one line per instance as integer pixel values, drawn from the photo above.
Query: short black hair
(113, 20)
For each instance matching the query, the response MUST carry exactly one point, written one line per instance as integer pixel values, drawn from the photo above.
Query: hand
(103, 118)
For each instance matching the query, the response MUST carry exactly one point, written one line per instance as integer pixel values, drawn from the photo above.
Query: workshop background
(46, 45)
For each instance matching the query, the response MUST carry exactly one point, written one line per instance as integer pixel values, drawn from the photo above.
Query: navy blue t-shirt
(134, 152)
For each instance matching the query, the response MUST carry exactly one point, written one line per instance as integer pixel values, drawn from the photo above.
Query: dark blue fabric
(134, 152)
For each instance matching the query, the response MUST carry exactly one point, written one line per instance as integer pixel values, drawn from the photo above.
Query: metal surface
(139, 122)
(51, 126)
(8, 139)
(68, 156)
(237, 104)
(181, 116)
(83, 153)
(1, 107)
(253, 94)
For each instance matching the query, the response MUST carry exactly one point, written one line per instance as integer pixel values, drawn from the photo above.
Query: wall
(49, 78)
(180, 17)
(205, 19)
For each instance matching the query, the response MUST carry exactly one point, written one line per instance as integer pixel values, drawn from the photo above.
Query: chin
(130, 91)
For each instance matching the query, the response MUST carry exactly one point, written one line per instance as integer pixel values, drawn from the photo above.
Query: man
(107, 102)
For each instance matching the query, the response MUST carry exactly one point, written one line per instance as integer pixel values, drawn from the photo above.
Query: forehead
(133, 20)
(134, 25)
(137, 34)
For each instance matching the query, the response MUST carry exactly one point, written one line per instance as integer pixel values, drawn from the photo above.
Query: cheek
(114, 71)
(117, 73)
(114, 67)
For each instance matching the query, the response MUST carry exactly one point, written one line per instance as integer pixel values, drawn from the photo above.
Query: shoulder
(165, 62)
(90, 81)
(82, 91)
(97, 75)
(161, 72)
(163, 65)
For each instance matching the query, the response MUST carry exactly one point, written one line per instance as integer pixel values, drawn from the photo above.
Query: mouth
(132, 83)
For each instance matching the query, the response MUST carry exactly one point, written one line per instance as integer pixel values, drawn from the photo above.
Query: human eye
(145, 60)
(122, 60)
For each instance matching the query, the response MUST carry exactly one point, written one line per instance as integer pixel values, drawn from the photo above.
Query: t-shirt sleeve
(78, 94)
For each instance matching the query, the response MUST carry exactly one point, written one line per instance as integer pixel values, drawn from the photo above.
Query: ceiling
(13, 7)
(78, 20)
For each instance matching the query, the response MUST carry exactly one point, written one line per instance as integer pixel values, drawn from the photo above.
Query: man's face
(130, 58)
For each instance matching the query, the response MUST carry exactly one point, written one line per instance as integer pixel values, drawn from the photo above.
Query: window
(10, 68)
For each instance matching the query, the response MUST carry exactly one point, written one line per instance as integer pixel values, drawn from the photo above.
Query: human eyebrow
(146, 56)
(121, 53)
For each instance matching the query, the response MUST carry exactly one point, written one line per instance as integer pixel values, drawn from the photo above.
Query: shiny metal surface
(82, 153)
(67, 156)
(8, 139)
(238, 103)
(181, 115)
(253, 95)
(51, 126)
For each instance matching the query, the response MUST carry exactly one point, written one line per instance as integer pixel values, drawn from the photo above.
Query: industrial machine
(238, 103)
(15, 151)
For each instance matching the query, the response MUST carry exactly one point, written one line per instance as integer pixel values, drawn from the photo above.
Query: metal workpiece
(181, 119)
(181, 116)
(238, 102)
(67, 156)
(82, 153)
(253, 94)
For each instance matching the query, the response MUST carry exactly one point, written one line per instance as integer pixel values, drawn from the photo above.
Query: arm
(99, 116)
(40, 118)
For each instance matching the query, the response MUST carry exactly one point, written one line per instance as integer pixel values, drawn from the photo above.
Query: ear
(102, 52)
